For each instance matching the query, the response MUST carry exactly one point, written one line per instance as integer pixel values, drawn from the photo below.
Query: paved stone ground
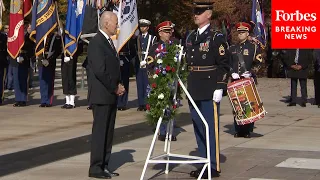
(50, 144)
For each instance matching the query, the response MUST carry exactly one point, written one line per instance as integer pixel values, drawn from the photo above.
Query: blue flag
(44, 21)
(74, 21)
(257, 18)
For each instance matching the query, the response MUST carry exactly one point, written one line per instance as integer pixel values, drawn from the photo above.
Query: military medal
(221, 50)
(246, 52)
(204, 56)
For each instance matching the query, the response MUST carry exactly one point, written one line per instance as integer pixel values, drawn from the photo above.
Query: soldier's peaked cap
(165, 26)
(243, 26)
(144, 22)
(201, 6)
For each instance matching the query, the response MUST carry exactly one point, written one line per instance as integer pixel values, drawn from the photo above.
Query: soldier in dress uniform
(144, 42)
(21, 67)
(245, 62)
(47, 67)
(125, 55)
(298, 62)
(3, 64)
(165, 30)
(69, 76)
(208, 65)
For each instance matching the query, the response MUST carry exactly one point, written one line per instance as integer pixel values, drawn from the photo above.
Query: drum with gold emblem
(245, 101)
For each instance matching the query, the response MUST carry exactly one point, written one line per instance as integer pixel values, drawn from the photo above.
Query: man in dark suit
(317, 77)
(104, 89)
(298, 61)
(3, 64)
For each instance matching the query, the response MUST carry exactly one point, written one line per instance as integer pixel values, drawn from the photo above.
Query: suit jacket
(317, 60)
(305, 60)
(103, 71)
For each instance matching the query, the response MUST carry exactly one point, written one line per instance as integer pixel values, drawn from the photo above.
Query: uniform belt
(23, 51)
(124, 53)
(202, 68)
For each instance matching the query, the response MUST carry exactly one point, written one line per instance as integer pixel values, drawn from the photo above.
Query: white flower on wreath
(175, 59)
(155, 76)
(159, 61)
(161, 96)
(179, 46)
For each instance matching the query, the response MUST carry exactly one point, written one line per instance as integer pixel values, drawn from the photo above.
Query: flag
(2, 8)
(74, 21)
(128, 22)
(18, 10)
(257, 19)
(44, 21)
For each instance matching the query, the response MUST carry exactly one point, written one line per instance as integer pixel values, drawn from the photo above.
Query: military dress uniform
(207, 60)
(3, 64)
(69, 77)
(144, 43)
(125, 55)
(47, 66)
(250, 63)
(21, 72)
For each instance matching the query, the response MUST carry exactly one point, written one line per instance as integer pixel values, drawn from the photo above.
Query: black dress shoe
(318, 106)
(173, 138)
(89, 107)
(69, 106)
(194, 173)
(236, 135)
(247, 135)
(64, 106)
(214, 173)
(42, 105)
(140, 108)
(16, 104)
(101, 175)
(23, 103)
(162, 137)
(112, 174)
(48, 105)
(303, 105)
(292, 104)
(122, 108)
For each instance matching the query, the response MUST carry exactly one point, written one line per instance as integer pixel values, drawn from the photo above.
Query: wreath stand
(165, 158)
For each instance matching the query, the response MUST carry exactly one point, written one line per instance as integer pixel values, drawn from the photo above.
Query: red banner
(295, 24)
(18, 10)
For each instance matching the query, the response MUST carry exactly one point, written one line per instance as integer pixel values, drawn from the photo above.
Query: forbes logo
(296, 16)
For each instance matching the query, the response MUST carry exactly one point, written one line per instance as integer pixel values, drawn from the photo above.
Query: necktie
(296, 59)
(111, 43)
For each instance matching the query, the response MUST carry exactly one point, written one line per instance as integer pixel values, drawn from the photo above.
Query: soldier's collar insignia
(222, 51)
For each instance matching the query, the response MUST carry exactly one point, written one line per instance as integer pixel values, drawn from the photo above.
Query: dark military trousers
(163, 128)
(142, 84)
(46, 76)
(303, 85)
(317, 87)
(20, 83)
(125, 75)
(3, 75)
(243, 129)
(69, 77)
(210, 111)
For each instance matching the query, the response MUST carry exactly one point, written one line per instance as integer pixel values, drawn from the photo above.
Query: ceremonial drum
(245, 101)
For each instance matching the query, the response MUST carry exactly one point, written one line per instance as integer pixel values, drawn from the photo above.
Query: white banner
(128, 22)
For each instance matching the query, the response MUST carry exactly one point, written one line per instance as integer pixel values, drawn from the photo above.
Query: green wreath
(163, 83)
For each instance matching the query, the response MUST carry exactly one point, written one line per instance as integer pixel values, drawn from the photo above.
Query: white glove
(121, 63)
(45, 62)
(143, 63)
(217, 95)
(66, 59)
(235, 76)
(20, 59)
(246, 74)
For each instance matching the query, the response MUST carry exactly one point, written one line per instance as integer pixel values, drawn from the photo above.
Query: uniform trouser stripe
(3, 82)
(216, 131)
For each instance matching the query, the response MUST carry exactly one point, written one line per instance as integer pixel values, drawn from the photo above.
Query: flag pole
(60, 29)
